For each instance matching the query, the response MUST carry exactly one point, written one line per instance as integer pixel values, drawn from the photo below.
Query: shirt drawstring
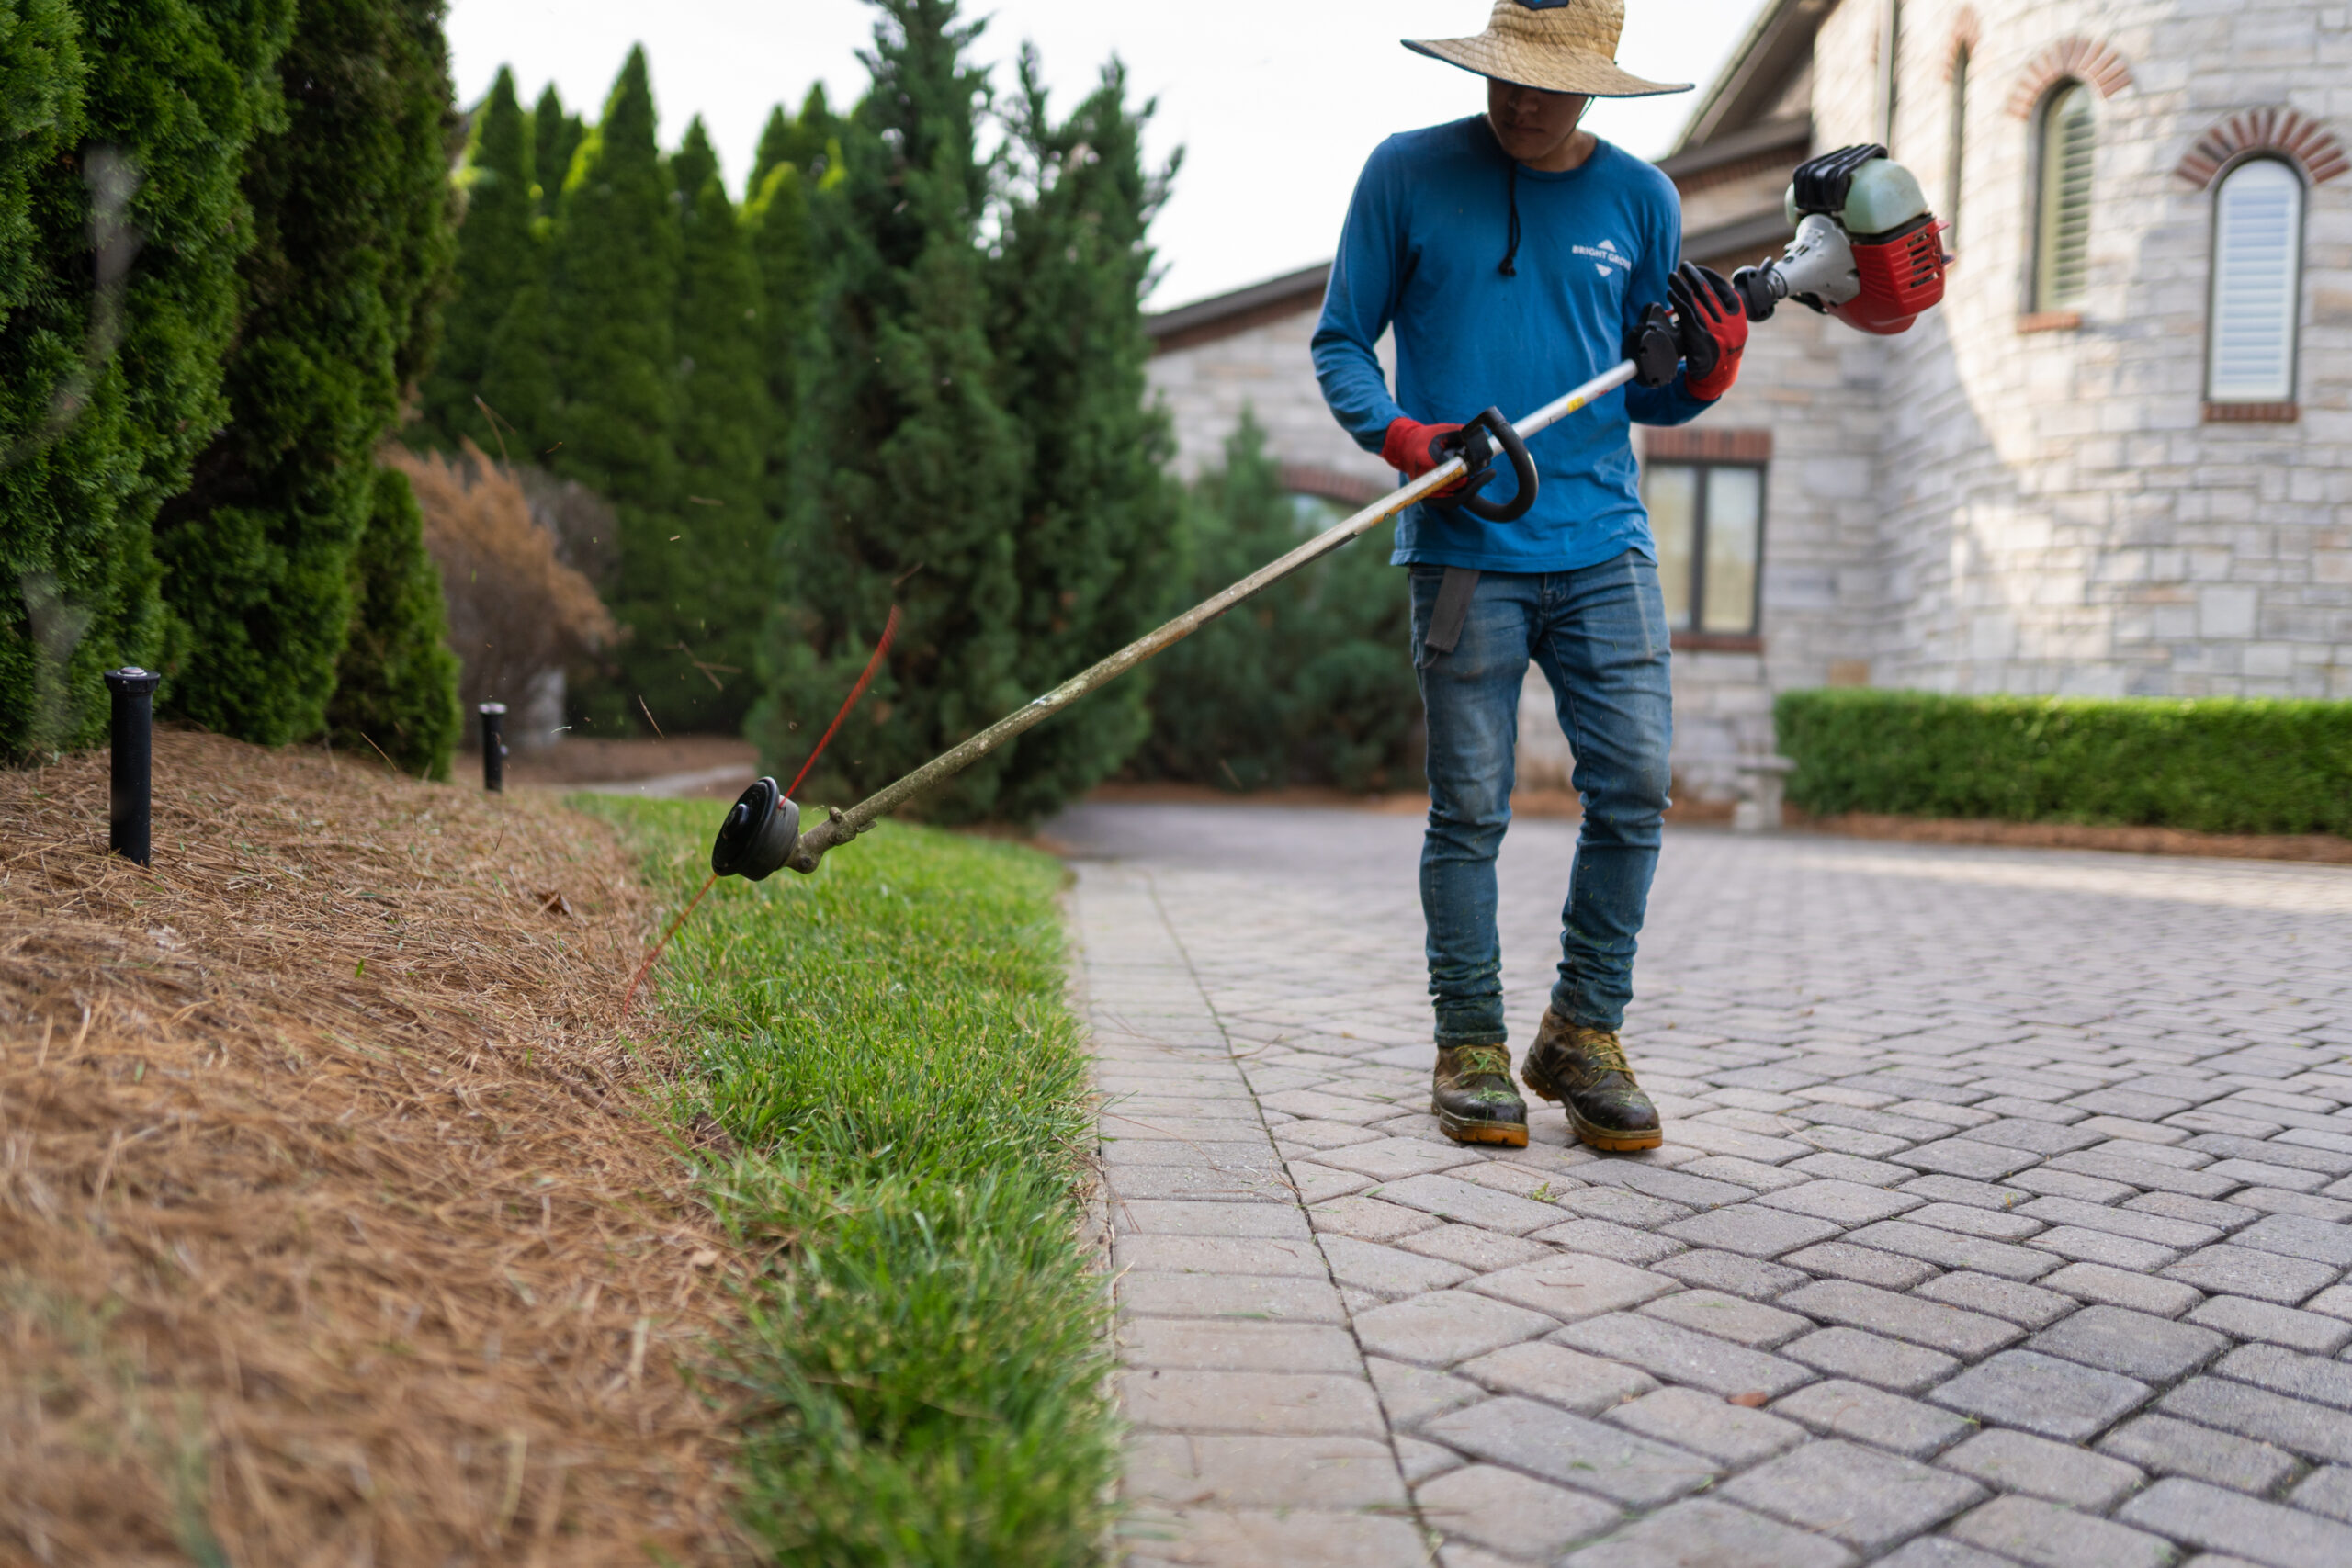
(1510, 255)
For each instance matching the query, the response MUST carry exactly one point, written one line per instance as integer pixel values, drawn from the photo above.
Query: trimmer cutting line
(865, 679)
(1867, 250)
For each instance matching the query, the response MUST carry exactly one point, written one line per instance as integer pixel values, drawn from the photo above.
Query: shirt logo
(1604, 257)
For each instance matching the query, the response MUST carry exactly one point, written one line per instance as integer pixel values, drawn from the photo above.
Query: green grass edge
(924, 1356)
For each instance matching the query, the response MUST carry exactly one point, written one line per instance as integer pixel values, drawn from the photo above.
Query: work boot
(1585, 1068)
(1471, 1097)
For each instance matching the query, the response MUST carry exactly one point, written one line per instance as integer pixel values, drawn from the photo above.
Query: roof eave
(1306, 283)
(1771, 38)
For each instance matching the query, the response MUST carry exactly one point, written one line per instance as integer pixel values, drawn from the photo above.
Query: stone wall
(2059, 515)
(1268, 368)
(1978, 507)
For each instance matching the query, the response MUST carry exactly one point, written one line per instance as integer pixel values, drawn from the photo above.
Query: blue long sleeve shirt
(1426, 232)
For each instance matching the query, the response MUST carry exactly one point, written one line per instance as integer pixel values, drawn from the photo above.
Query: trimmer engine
(1867, 250)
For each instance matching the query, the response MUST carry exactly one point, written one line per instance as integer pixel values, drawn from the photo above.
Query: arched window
(2062, 233)
(2257, 284)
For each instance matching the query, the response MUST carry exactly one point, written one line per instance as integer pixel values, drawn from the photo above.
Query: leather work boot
(1585, 1068)
(1471, 1097)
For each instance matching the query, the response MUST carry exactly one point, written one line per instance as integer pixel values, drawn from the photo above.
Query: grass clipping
(332, 1224)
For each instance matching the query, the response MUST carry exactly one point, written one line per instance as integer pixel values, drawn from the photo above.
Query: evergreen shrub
(555, 137)
(612, 298)
(129, 122)
(1099, 514)
(396, 685)
(501, 257)
(915, 492)
(1311, 682)
(2214, 764)
(810, 142)
(720, 562)
(351, 201)
(775, 222)
(980, 452)
(620, 323)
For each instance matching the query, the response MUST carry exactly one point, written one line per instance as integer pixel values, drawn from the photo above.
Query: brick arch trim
(2072, 58)
(2290, 133)
(1967, 32)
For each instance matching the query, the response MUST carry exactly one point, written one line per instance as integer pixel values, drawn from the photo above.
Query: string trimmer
(1867, 250)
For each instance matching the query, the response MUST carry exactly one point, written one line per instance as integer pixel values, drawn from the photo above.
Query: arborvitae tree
(792, 160)
(613, 288)
(517, 390)
(1217, 701)
(695, 162)
(722, 563)
(110, 363)
(397, 671)
(775, 225)
(555, 137)
(920, 496)
(351, 200)
(41, 71)
(518, 378)
(1309, 682)
(776, 142)
(809, 143)
(1098, 514)
(498, 257)
(396, 688)
(41, 102)
(1355, 711)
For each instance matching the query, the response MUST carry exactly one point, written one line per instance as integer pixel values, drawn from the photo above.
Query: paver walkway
(2001, 1218)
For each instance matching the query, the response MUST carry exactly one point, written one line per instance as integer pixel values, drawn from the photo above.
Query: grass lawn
(889, 1042)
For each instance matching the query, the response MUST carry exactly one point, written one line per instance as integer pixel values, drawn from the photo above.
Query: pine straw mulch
(338, 1224)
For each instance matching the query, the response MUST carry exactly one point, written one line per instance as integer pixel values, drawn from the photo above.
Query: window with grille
(1707, 520)
(2062, 236)
(2257, 284)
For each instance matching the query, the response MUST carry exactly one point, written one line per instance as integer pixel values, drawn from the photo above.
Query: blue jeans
(1600, 638)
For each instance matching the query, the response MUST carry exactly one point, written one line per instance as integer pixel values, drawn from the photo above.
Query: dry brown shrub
(338, 1221)
(516, 612)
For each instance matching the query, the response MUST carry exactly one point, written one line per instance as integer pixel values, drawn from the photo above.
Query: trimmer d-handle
(1470, 445)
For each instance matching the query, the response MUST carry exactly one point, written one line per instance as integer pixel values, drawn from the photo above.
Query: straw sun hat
(1560, 46)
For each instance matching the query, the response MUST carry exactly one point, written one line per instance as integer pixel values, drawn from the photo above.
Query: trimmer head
(758, 835)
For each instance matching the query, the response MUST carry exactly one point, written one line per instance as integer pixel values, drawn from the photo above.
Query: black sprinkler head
(758, 834)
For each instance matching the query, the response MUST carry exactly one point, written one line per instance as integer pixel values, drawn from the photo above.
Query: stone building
(2117, 461)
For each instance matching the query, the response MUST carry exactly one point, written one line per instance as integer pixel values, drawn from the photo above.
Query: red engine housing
(1902, 274)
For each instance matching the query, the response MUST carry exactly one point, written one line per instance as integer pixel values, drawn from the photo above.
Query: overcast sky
(1275, 102)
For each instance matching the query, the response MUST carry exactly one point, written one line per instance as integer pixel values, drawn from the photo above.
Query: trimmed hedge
(2213, 764)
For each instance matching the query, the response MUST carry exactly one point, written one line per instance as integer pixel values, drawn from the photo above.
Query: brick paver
(2002, 1215)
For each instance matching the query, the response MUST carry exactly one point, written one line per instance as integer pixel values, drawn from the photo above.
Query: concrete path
(723, 783)
(2001, 1218)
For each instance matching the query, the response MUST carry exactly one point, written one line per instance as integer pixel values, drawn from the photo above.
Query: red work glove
(1414, 449)
(1711, 328)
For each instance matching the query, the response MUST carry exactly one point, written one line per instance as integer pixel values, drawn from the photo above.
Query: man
(1514, 254)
